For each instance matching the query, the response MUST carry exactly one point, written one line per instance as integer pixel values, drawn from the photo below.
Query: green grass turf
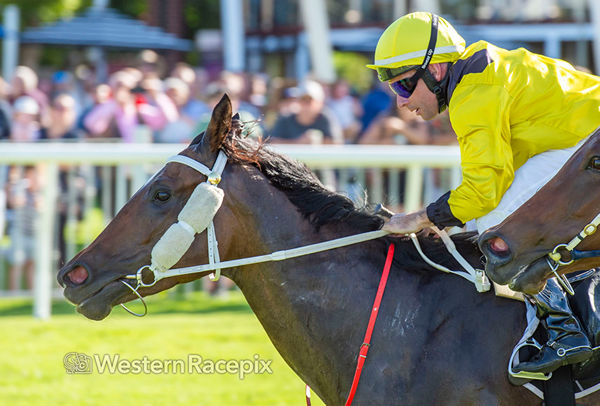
(32, 370)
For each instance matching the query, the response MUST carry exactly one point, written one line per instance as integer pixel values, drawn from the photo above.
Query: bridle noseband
(555, 258)
(156, 268)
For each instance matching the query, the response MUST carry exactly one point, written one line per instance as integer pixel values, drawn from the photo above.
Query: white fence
(399, 176)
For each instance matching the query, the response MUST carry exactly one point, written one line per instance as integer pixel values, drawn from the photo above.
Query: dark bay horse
(436, 342)
(516, 249)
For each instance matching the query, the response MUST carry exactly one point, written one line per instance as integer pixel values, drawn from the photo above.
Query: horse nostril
(78, 275)
(498, 246)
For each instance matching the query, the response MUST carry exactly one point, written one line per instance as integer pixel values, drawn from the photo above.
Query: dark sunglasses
(405, 87)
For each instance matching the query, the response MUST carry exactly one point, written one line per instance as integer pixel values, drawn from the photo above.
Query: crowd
(143, 104)
(147, 103)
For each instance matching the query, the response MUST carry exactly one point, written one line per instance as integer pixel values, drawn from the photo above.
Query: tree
(38, 12)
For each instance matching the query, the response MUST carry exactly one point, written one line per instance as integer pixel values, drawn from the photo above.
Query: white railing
(126, 167)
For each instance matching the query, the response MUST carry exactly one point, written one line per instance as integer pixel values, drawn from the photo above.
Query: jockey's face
(422, 101)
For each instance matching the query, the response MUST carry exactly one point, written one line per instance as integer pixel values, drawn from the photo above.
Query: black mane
(319, 205)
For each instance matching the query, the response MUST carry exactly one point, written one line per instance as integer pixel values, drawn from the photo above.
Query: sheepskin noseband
(195, 217)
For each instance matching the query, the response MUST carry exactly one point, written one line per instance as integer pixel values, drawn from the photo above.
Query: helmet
(403, 45)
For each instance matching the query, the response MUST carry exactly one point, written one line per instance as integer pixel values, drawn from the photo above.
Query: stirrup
(526, 375)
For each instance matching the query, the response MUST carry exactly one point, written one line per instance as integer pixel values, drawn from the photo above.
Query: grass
(32, 370)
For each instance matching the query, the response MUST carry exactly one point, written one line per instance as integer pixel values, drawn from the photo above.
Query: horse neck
(306, 305)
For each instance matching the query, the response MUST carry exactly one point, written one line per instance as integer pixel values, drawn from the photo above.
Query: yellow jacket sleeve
(480, 118)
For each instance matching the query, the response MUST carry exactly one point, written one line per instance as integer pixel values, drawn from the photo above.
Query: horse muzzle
(532, 278)
(498, 254)
(94, 297)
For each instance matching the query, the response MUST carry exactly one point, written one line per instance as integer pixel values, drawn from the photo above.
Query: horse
(517, 249)
(437, 341)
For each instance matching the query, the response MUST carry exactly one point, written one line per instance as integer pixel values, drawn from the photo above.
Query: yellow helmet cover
(404, 44)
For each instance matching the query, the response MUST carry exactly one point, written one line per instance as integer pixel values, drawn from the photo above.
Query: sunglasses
(404, 87)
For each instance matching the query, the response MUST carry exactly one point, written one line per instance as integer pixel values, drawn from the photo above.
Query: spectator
(150, 64)
(151, 91)
(192, 108)
(235, 83)
(346, 109)
(399, 127)
(25, 120)
(282, 98)
(63, 82)
(257, 95)
(310, 124)
(62, 123)
(179, 130)
(22, 192)
(215, 92)
(5, 111)
(25, 83)
(125, 111)
(376, 101)
(100, 95)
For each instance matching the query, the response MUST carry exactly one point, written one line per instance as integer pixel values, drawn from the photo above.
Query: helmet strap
(430, 48)
(439, 88)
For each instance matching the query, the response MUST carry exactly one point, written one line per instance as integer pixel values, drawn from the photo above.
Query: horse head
(95, 279)
(517, 249)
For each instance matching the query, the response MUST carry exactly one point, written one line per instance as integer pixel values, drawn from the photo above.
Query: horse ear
(220, 123)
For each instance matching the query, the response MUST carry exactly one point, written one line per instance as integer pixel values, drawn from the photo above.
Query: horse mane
(321, 206)
(317, 204)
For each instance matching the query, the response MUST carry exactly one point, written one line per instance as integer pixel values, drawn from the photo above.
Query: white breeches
(529, 178)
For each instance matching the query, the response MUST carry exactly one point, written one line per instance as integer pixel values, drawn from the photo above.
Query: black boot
(567, 343)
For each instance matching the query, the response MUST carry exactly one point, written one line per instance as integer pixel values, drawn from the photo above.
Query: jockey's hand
(407, 223)
(428, 232)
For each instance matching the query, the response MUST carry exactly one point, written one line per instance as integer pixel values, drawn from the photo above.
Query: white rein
(161, 266)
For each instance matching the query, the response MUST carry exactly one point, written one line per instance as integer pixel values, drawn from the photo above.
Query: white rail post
(3, 179)
(44, 263)
(72, 205)
(314, 17)
(376, 187)
(10, 43)
(394, 189)
(232, 23)
(399, 8)
(121, 187)
(414, 188)
(106, 193)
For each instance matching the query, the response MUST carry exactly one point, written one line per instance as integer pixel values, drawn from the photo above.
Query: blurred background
(95, 95)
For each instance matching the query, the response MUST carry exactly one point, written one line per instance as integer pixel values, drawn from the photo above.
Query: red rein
(364, 348)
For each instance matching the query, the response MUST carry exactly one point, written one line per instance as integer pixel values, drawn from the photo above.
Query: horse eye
(162, 196)
(594, 163)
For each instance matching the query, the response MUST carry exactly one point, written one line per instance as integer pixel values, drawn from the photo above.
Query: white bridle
(555, 258)
(178, 238)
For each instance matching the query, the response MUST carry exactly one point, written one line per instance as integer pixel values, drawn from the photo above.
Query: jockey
(518, 117)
